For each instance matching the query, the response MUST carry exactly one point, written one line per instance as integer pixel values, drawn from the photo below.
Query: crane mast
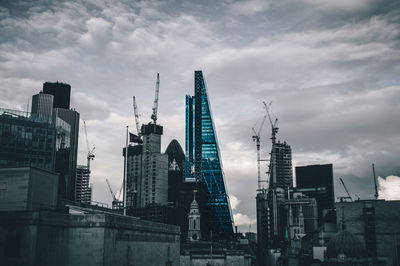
(345, 188)
(272, 168)
(274, 131)
(137, 116)
(90, 155)
(112, 193)
(155, 106)
(256, 138)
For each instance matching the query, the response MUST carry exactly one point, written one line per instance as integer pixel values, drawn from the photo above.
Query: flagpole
(125, 169)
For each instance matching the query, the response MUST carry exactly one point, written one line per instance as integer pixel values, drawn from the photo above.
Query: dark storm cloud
(330, 68)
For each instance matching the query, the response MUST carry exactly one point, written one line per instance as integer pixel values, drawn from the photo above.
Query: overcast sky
(331, 68)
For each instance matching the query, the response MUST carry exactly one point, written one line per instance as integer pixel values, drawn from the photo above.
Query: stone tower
(194, 221)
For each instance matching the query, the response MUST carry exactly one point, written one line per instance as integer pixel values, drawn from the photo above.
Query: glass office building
(29, 139)
(203, 162)
(26, 140)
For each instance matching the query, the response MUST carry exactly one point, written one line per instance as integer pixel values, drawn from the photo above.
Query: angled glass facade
(203, 161)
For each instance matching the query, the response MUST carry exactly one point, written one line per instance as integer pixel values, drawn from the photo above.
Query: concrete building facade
(49, 238)
(27, 188)
(376, 224)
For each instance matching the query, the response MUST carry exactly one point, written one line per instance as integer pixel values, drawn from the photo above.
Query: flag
(135, 139)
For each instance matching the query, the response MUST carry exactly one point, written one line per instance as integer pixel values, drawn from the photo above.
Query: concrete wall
(27, 188)
(387, 224)
(216, 260)
(51, 238)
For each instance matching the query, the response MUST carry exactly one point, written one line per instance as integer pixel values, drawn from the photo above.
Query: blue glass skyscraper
(203, 161)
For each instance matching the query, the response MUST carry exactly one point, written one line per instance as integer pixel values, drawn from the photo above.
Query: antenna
(376, 187)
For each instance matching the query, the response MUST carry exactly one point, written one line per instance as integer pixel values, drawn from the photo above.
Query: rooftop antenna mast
(256, 138)
(376, 186)
(155, 106)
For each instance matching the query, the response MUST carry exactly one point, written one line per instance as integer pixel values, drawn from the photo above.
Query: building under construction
(83, 191)
(146, 168)
(272, 212)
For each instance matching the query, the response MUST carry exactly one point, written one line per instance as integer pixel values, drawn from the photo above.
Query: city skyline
(331, 70)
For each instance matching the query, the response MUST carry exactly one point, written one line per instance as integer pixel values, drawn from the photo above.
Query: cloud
(389, 187)
(331, 70)
(234, 201)
(242, 219)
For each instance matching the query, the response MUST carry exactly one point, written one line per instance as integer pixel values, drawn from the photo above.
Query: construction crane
(272, 168)
(345, 188)
(116, 203)
(274, 127)
(376, 186)
(274, 131)
(137, 116)
(256, 138)
(90, 155)
(112, 193)
(155, 106)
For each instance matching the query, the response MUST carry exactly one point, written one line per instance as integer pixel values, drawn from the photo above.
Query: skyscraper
(61, 93)
(203, 160)
(317, 181)
(42, 105)
(176, 166)
(72, 118)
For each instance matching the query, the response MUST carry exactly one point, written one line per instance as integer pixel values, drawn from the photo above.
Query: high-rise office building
(147, 170)
(26, 140)
(72, 118)
(61, 93)
(82, 187)
(203, 160)
(176, 166)
(317, 181)
(42, 105)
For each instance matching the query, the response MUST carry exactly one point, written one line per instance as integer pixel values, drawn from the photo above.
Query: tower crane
(274, 127)
(345, 188)
(112, 193)
(272, 168)
(274, 131)
(137, 116)
(155, 106)
(90, 154)
(116, 203)
(256, 138)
